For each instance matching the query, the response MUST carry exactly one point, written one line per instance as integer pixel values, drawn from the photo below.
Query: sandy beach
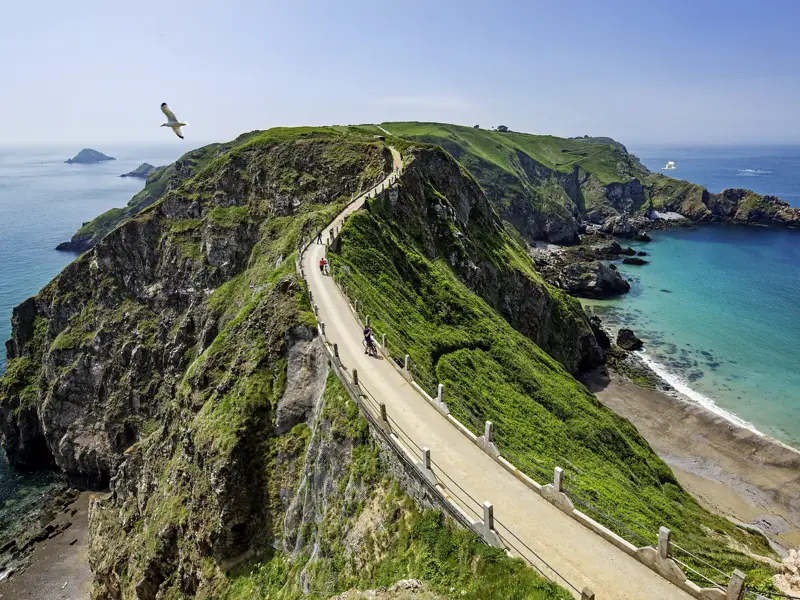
(731, 470)
(59, 566)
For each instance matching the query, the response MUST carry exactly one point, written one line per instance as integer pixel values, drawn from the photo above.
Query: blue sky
(701, 72)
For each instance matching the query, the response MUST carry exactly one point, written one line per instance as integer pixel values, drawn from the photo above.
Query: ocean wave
(677, 382)
(752, 172)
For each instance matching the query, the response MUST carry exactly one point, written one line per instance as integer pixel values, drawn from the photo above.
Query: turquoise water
(718, 309)
(719, 306)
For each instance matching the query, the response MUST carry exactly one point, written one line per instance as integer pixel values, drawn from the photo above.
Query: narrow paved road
(579, 555)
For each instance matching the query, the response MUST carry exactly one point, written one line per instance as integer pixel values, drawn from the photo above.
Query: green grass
(607, 162)
(543, 417)
(228, 217)
(218, 439)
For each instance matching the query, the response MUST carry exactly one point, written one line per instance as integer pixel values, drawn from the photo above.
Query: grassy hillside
(542, 185)
(608, 163)
(543, 417)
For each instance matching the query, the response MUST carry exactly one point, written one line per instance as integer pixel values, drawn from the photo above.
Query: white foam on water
(746, 172)
(681, 386)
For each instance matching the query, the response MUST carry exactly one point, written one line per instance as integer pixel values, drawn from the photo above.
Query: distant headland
(87, 156)
(142, 171)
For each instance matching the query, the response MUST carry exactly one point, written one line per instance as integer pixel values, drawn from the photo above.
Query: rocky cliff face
(738, 206)
(97, 357)
(546, 187)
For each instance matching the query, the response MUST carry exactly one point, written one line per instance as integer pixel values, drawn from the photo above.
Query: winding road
(579, 555)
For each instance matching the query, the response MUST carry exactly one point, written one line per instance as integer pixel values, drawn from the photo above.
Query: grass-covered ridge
(541, 185)
(543, 417)
(607, 162)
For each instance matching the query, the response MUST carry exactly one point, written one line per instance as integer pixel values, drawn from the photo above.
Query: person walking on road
(322, 264)
(319, 236)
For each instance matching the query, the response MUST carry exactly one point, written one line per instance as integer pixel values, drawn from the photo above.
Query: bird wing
(178, 131)
(165, 109)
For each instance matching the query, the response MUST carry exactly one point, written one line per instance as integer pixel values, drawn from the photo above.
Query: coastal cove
(43, 201)
(716, 308)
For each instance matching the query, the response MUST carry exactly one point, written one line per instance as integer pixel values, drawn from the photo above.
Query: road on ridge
(579, 555)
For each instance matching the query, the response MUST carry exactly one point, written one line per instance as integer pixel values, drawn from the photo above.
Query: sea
(43, 201)
(719, 306)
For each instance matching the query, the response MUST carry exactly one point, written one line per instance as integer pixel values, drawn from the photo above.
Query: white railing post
(488, 432)
(406, 362)
(383, 341)
(440, 394)
(736, 586)
(366, 321)
(663, 542)
(558, 481)
(425, 466)
(488, 515)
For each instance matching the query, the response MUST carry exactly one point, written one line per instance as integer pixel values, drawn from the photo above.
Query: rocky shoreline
(18, 542)
(53, 562)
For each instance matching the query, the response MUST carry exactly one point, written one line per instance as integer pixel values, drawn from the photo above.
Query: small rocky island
(142, 171)
(87, 156)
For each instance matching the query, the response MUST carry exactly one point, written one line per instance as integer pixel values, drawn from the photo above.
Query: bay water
(719, 306)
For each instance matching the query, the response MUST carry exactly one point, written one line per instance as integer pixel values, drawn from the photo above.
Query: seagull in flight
(172, 120)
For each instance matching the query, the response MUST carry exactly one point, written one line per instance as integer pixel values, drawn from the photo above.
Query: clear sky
(643, 71)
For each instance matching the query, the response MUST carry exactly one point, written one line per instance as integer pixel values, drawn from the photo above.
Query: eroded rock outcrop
(592, 280)
(96, 357)
(627, 340)
(143, 171)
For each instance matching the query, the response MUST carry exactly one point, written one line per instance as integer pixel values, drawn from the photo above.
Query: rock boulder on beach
(627, 340)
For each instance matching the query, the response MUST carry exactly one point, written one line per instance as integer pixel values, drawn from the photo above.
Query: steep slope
(435, 273)
(107, 340)
(175, 362)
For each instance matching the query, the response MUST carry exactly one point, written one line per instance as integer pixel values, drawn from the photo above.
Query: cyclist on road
(322, 264)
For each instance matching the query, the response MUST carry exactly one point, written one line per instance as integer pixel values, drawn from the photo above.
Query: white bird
(172, 120)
